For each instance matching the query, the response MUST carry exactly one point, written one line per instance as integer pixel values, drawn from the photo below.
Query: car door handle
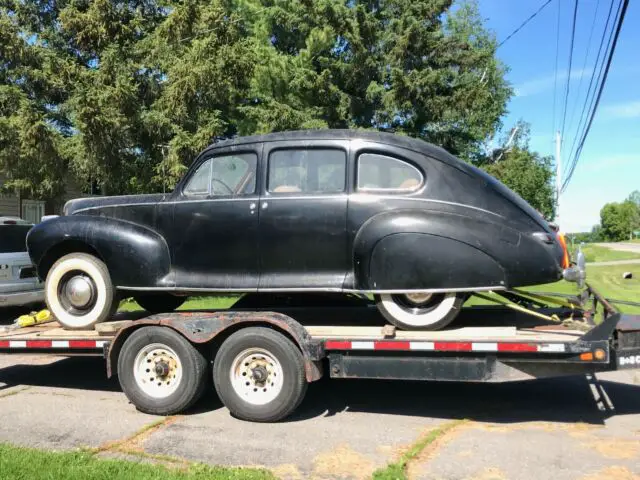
(252, 207)
(264, 205)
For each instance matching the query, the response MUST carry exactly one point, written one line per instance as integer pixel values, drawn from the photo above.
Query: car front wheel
(420, 311)
(79, 292)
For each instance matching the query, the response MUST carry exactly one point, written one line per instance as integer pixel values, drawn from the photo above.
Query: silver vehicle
(19, 283)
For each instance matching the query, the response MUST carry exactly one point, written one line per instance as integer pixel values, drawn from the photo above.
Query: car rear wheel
(79, 292)
(159, 303)
(420, 311)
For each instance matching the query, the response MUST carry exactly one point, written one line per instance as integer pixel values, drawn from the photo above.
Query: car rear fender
(405, 250)
(136, 256)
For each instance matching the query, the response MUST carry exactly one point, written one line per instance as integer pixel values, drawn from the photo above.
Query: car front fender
(136, 256)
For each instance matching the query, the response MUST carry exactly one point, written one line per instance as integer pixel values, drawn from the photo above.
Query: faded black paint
(462, 229)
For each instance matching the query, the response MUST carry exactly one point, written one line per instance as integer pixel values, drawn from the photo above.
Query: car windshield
(13, 238)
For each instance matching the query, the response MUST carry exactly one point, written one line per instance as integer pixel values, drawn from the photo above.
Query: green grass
(193, 303)
(397, 470)
(27, 463)
(595, 253)
(608, 281)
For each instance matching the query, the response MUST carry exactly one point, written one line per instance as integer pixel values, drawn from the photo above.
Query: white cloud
(542, 84)
(623, 110)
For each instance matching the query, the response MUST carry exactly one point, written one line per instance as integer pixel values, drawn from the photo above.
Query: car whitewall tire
(79, 292)
(420, 311)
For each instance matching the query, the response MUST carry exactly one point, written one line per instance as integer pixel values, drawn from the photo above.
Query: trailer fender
(202, 328)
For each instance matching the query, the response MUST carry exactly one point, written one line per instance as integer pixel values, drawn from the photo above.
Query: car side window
(379, 173)
(224, 175)
(321, 170)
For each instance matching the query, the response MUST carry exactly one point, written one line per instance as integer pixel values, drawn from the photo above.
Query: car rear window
(377, 172)
(13, 238)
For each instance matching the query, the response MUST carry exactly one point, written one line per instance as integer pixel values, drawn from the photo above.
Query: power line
(595, 73)
(533, 15)
(622, 13)
(584, 65)
(598, 74)
(567, 88)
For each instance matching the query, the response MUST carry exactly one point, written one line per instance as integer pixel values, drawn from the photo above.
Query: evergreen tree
(123, 94)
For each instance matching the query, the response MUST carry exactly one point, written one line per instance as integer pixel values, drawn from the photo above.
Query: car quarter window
(317, 170)
(224, 175)
(378, 172)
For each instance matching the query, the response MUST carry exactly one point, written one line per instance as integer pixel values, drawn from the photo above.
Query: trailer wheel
(259, 375)
(160, 372)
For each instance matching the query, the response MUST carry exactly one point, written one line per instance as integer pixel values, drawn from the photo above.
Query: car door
(303, 214)
(215, 224)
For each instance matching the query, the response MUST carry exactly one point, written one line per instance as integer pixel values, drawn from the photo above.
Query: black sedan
(308, 211)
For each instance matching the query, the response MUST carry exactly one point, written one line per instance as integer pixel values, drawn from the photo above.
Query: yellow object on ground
(34, 318)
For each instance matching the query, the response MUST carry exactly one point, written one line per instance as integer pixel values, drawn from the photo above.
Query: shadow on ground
(568, 399)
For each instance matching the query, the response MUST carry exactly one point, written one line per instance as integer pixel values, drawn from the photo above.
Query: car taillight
(27, 272)
(565, 252)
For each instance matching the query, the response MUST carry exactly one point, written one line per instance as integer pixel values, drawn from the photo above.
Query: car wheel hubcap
(157, 370)
(79, 291)
(418, 298)
(256, 376)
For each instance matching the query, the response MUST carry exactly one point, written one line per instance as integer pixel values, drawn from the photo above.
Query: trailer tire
(259, 375)
(176, 375)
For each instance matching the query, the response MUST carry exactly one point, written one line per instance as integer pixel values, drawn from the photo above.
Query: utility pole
(558, 175)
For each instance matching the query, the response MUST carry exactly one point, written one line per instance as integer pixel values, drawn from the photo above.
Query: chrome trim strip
(310, 289)
(241, 199)
(186, 290)
(364, 196)
(352, 197)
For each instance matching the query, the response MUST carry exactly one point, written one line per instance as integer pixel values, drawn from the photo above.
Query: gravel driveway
(569, 428)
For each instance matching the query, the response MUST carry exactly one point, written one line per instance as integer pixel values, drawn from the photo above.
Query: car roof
(369, 135)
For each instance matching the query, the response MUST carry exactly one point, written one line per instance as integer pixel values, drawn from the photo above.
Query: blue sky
(609, 167)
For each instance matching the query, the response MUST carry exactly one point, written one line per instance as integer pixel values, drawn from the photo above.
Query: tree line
(121, 95)
(618, 221)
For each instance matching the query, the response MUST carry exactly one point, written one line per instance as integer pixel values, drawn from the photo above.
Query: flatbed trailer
(262, 360)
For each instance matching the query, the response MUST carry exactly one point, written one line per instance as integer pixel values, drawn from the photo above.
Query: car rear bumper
(16, 299)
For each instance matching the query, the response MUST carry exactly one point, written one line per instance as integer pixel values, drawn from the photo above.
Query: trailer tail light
(598, 354)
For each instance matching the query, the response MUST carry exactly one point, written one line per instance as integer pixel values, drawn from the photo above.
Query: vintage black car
(308, 211)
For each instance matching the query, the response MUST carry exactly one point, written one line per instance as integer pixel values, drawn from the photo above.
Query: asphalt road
(569, 428)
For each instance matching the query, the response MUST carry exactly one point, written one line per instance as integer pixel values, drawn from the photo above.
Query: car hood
(80, 204)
